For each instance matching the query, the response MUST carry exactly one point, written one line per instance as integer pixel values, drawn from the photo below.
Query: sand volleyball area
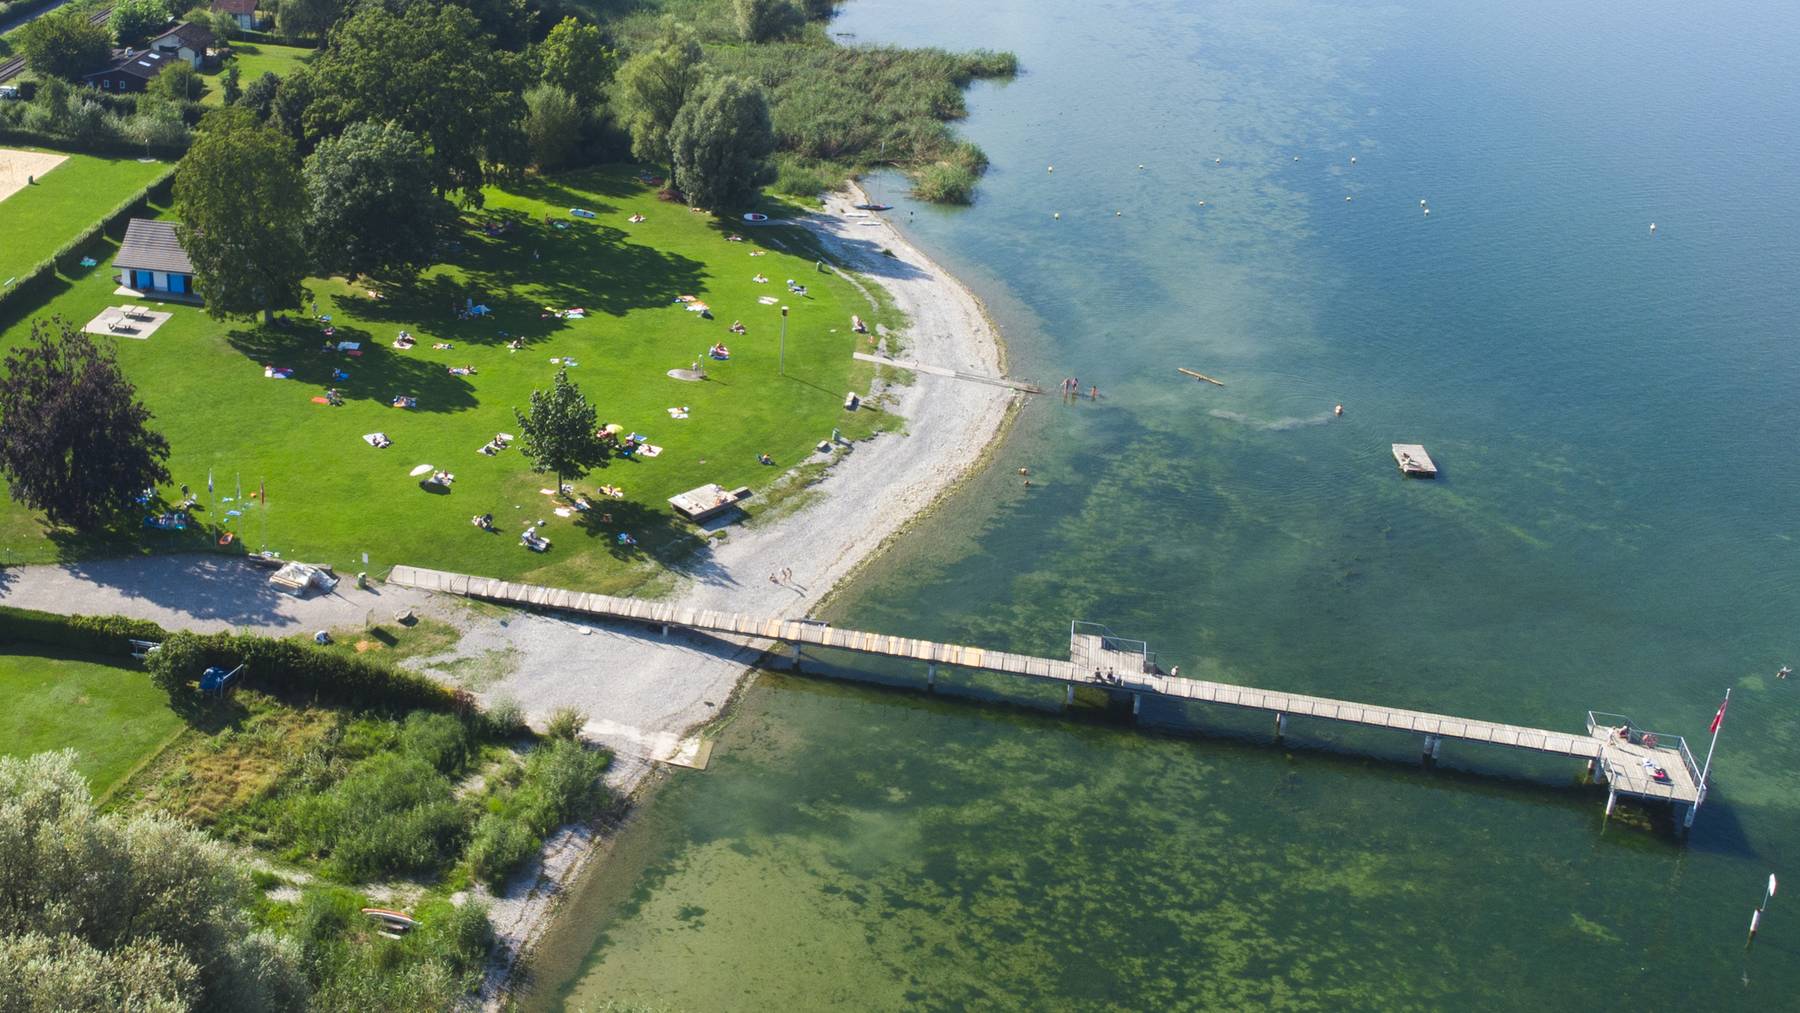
(18, 168)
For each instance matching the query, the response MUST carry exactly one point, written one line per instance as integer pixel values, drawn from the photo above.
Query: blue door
(143, 279)
(178, 283)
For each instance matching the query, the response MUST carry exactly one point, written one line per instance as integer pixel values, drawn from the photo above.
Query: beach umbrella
(423, 469)
(614, 428)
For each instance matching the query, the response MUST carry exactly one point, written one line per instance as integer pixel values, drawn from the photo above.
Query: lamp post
(782, 354)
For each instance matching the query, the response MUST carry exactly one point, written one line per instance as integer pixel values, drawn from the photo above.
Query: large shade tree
(558, 434)
(722, 140)
(431, 70)
(241, 206)
(368, 208)
(75, 442)
(651, 89)
(64, 45)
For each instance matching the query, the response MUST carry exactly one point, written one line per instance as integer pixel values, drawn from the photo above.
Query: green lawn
(332, 497)
(113, 717)
(253, 60)
(38, 219)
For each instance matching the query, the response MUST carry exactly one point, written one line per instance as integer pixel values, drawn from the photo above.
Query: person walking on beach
(787, 574)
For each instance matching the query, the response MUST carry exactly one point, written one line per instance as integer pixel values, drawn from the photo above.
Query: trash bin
(362, 581)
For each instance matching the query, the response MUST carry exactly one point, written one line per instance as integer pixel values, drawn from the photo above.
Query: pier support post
(1137, 703)
(1429, 752)
(1687, 819)
(1612, 799)
(665, 629)
(794, 656)
(1590, 768)
(1280, 726)
(931, 677)
(1069, 697)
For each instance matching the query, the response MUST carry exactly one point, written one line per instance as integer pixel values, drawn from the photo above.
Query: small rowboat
(873, 207)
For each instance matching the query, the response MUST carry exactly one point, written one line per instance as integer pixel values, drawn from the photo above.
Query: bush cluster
(561, 784)
(83, 119)
(291, 669)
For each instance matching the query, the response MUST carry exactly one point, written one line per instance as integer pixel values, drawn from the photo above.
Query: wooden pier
(1627, 758)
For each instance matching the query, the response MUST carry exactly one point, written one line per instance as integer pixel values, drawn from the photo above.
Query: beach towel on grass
(376, 439)
(767, 300)
(649, 450)
(677, 413)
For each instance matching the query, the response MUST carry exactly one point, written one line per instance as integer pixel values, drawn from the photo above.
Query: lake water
(1614, 412)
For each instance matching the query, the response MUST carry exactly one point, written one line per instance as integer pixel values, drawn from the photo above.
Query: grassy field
(332, 497)
(253, 60)
(113, 717)
(38, 219)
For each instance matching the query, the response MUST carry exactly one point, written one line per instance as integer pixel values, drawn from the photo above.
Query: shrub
(763, 20)
(500, 845)
(503, 719)
(945, 183)
(799, 178)
(566, 723)
(441, 740)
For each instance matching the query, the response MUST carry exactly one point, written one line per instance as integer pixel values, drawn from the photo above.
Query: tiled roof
(152, 246)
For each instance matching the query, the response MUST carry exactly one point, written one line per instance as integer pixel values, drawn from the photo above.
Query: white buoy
(1346, 200)
(1652, 226)
(1296, 158)
(1352, 162)
(1202, 203)
(1050, 168)
(1421, 202)
(1140, 165)
(1118, 214)
(1428, 211)
(1218, 161)
(1057, 214)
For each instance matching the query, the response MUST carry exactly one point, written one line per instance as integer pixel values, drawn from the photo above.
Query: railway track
(14, 66)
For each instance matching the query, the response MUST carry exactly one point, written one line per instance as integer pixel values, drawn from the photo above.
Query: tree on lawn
(74, 440)
(651, 89)
(574, 57)
(722, 141)
(368, 210)
(64, 45)
(430, 69)
(310, 18)
(241, 205)
(559, 432)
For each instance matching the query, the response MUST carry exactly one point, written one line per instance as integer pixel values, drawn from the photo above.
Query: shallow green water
(1614, 412)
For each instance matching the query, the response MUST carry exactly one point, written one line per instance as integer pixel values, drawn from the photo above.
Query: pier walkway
(1632, 761)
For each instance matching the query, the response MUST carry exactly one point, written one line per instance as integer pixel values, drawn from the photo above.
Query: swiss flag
(1719, 718)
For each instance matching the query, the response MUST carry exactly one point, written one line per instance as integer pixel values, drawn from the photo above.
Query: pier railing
(1597, 720)
(1111, 641)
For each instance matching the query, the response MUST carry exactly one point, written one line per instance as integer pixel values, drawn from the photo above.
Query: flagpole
(1718, 724)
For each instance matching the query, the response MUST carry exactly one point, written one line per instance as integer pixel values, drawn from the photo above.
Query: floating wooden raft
(1414, 461)
(1199, 376)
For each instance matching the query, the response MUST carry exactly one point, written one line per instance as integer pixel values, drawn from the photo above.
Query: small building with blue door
(151, 261)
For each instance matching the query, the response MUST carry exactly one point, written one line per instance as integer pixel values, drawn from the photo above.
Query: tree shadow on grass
(379, 374)
(199, 586)
(659, 536)
(592, 266)
(432, 306)
(562, 197)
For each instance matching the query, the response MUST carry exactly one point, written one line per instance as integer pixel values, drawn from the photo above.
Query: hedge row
(292, 668)
(275, 39)
(35, 285)
(105, 148)
(110, 635)
(18, 7)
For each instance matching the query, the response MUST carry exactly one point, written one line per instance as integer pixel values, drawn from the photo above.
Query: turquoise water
(1614, 414)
